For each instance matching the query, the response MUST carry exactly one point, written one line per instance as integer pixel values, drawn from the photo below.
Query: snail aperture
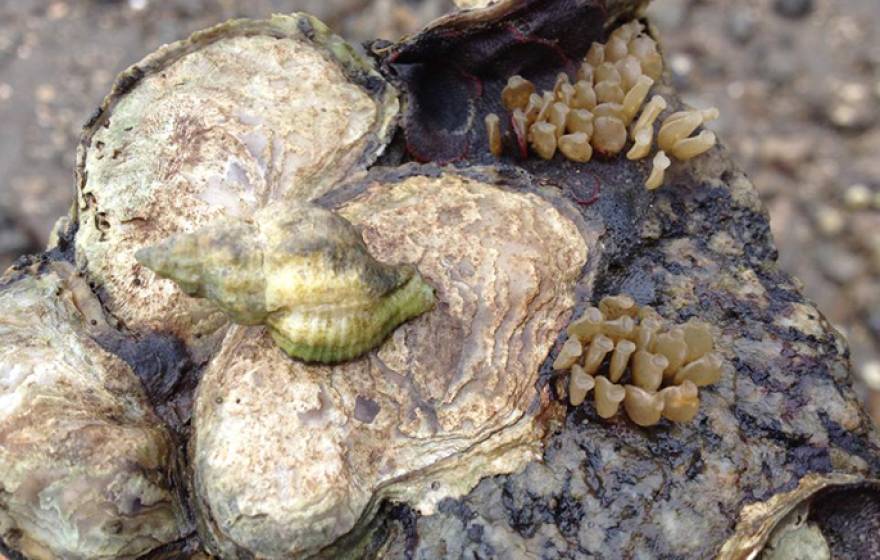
(301, 270)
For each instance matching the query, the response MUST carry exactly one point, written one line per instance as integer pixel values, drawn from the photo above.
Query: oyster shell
(86, 469)
(214, 127)
(304, 272)
(289, 457)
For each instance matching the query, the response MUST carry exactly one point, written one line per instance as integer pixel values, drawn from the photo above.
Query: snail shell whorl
(301, 270)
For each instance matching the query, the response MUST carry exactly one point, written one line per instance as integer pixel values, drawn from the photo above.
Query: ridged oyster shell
(288, 457)
(304, 272)
(217, 126)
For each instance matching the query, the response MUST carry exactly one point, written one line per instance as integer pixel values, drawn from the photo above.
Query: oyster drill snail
(301, 270)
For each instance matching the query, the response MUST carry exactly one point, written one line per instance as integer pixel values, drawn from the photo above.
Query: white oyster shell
(287, 457)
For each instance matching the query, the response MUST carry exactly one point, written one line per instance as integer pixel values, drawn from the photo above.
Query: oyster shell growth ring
(301, 270)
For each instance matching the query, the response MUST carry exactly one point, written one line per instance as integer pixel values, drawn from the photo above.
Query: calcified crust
(646, 354)
(302, 271)
(180, 143)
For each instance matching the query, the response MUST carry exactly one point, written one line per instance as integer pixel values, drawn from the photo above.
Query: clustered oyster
(641, 353)
(592, 115)
(301, 270)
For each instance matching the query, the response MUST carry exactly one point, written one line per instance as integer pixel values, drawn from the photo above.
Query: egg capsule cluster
(628, 355)
(596, 113)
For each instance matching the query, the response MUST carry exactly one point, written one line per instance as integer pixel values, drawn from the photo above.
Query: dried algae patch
(628, 355)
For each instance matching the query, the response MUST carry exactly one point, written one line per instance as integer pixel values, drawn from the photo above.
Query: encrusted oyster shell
(288, 457)
(217, 126)
(86, 467)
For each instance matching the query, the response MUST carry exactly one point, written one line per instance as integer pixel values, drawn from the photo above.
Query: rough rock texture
(288, 456)
(217, 125)
(85, 465)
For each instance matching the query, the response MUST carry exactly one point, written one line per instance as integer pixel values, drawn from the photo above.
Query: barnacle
(301, 270)
(654, 368)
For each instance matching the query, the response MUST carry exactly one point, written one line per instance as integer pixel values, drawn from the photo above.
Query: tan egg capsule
(704, 371)
(671, 131)
(658, 171)
(613, 307)
(585, 73)
(609, 135)
(533, 108)
(671, 344)
(493, 131)
(566, 94)
(607, 72)
(609, 92)
(615, 49)
(614, 110)
(647, 369)
(635, 98)
(584, 96)
(628, 30)
(515, 94)
(646, 333)
(622, 327)
(689, 148)
(558, 116)
(648, 312)
(576, 147)
(630, 70)
(681, 402)
(579, 384)
(707, 115)
(542, 137)
(599, 348)
(642, 46)
(561, 80)
(580, 120)
(652, 110)
(620, 358)
(642, 146)
(587, 325)
(596, 54)
(652, 66)
(608, 397)
(643, 407)
(547, 101)
(569, 353)
(698, 339)
(520, 125)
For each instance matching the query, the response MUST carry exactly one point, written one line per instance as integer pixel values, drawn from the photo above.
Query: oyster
(86, 468)
(289, 457)
(304, 272)
(215, 127)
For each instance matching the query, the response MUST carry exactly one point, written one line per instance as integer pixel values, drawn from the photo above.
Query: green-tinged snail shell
(301, 270)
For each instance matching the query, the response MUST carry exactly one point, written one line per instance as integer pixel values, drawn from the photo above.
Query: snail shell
(301, 270)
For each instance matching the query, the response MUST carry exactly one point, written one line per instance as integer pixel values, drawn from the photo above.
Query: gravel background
(797, 82)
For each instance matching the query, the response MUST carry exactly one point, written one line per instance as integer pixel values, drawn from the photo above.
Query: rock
(86, 468)
(741, 24)
(793, 9)
(858, 196)
(289, 457)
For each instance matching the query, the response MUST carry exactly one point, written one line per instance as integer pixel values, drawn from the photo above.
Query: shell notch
(301, 270)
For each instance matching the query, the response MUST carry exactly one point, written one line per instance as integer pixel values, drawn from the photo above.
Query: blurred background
(797, 82)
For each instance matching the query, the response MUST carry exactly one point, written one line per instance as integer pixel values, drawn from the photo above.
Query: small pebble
(858, 197)
(830, 220)
(741, 25)
(793, 9)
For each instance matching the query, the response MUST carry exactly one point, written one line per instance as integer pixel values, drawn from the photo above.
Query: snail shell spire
(301, 270)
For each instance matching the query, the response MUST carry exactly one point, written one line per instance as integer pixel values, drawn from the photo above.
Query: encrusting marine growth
(592, 115)
(301, 270)
(639, 353)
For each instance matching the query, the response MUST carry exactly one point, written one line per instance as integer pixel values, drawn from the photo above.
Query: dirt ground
(797, 82)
